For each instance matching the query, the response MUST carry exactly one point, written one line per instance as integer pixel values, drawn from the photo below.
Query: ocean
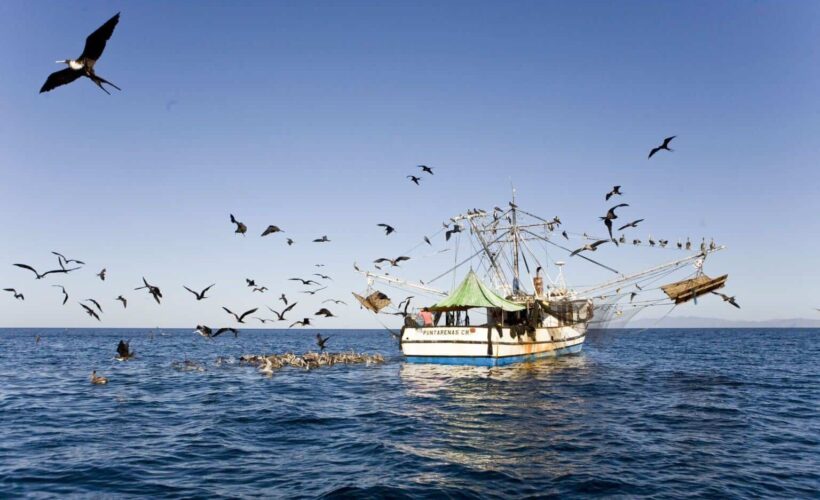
(661, 413)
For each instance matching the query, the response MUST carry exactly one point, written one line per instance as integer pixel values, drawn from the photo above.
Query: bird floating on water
(98, 379)
(84, 65)
(124, 351)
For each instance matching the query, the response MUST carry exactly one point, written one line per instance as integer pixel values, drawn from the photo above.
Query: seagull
(393, 262)
(96, 304)
(323, 239)
(98, 379)
(425, 168)
(241, 228)
(90, 312)
(201, 295)
(18, 296)
(153, 290)
(313, 292)
(321, 341)
(615, 190)
(589, 246)
(271, 229)
(387, 228)
(124, 302)
(239, 319)
(324, 312)
(335, 301)
(124, 351)
(281, 315)
(304, 322)
(415, 179)
(101, 274)
(728, 299)
(62, 260)
(665, 146)
(41, 276)
(305, 282)
(65, 294)
(84, 65)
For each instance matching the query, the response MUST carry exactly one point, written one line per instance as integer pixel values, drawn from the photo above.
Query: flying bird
(96, 304)
(241, 228)
(425, 168)
(41, 276)
(290, 241)
(615, 190)
(271, 229)
(589, 246)
(564, 234)
(101, 274)
(313, 292)
(153, 290)
(65, 294)
(324, 312)
(281, 315)
(18, 296)
(123, 300)
(305, 282)
(91, 312)
(393, 262)
(610, 216)
(250, 282)
(303, 322)
(323, 276)
(335, 301)
(201, 295)
(124, 351)
(415, 179)
(239, 318)
(283, 299)
(665, 146)
(450, 232)
(260, 289)
(84, 65)
(63, 261)
(320, 341)
(387, 228)
(728, 299)
(207, 332)
(323, 239)
(634, 223)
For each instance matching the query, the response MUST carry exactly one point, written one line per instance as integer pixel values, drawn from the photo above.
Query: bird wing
(598, 243)
(206, 289)
(401, 258)
(230, 312)
(576, 252)
(193, 292)
(26, 266)
(289, 308)
(667, 140)
(246, 313)
(223, 330)
(654, 150)
(95, 43)
(58, 78)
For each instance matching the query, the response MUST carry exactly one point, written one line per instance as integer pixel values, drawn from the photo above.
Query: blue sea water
(662, 413)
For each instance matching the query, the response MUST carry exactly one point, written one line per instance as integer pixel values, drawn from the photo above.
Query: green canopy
(473, 293)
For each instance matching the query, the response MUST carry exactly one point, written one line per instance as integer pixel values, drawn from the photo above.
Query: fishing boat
(503, 311)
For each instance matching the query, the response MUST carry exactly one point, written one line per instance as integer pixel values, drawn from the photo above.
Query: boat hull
(483, 346)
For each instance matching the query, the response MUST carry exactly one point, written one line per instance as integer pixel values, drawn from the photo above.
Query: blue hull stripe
(492, 361)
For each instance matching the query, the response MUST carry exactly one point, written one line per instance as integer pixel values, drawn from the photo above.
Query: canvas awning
(473, 293)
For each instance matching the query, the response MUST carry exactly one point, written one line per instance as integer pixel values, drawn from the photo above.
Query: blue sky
(308, 115)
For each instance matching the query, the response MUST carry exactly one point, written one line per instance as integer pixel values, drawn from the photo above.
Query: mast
(515, 236)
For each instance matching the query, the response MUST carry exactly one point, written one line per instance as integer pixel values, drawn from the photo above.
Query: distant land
(698, 322)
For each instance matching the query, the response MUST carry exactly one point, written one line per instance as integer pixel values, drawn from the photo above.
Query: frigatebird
(610, 216)
(84, 65)
(91, 312)
(18, 296)
(425, 168)
(589, 246)
(207, 332)
(665, 146)
(321, 341)
(393, 262)
(97, 304)
(387, 228)
(305, 282)
(123, 300)
(414, 179)
(241, 228)
(271, 229)
(153, 290)
(323, 239)
(41, 276)
(728, 299)
(324, 312)
(62, 260)
(101, 274)
(65, 294)
(200, 295)
(281, 315)
(335, 301)
(239, 318)
(615, 190)
(304, 322)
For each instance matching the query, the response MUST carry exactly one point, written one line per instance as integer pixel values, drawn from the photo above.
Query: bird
(96, 304)
(335, 301)
(18, 296)
(84, 65)
(65, 294)
(153, 290)
(271, 229)
(281, 315)
(313, 292)
(387, 228)
(251, 283)
(98, 379)
(289, 241)
(324, 312)
(323, 239)
(101, 274)
(260, 289)
(91, 312)
(680, 245)
(283, 299)
(393, 262)
(305, 282)
(36, 339)
(323, 276)
(414, 179)
(651, 241)
(589, 246)
(425, 168)
(63, 261)
(427, 240)
(632, 296)
(728, 299)
(450, 232)
(564, 234)
(321, 341)
(615, 190)
(636, 242)
(665, 146)
(610, 216)
(688, 244)
(123, 300)
(261, 320)
(240, 318)
(201, 295)
(241, 228)
(41, 276)
(207, 332)
(303, 322)
(124, 351)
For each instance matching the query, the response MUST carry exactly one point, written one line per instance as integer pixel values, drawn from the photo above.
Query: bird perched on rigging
(84, 65)
(201, 295)
(728, 299)
(239, 318)
(665, 146)
(425, 168)
(387, 228)
(320, 341)
(65, 294)
(414, 179)
(18, 296)
(153, 290)
(241, 228)
(589, 246)
(615, 190)
(271, 229)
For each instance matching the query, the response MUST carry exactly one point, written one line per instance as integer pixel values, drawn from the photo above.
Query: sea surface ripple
(659, 413)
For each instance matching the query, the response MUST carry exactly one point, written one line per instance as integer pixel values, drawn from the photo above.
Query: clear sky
(309, 115)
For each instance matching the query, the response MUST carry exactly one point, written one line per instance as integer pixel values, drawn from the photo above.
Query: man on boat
(426, 317)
